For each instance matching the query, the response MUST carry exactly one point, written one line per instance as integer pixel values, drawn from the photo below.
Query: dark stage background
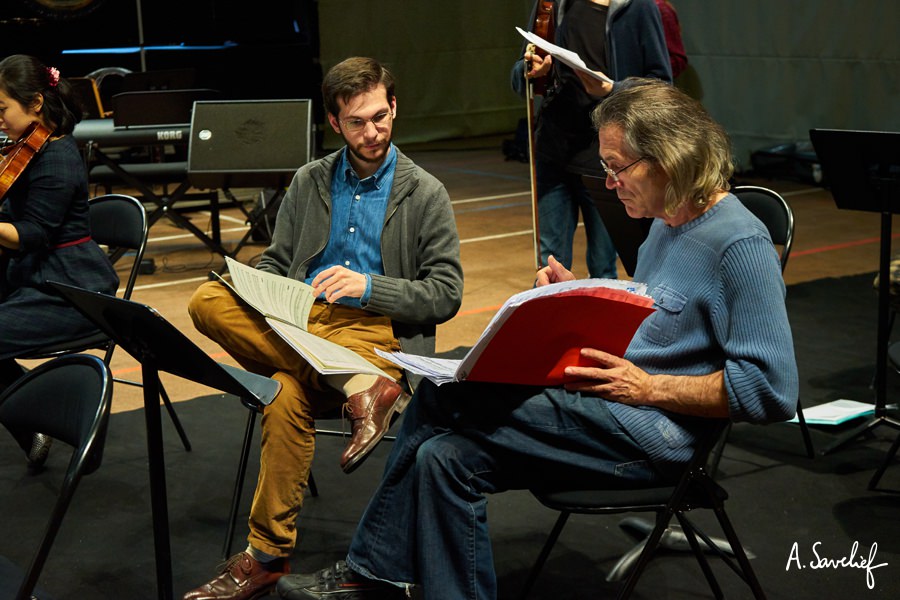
(267, 49)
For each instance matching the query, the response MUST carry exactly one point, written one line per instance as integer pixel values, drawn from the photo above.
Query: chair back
(774, 212)
(119, 222)
(68, 398)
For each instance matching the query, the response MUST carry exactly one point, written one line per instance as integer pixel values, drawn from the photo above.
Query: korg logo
(165, 136)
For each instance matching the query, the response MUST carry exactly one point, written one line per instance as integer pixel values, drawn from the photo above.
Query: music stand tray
(154, 342)
(862, 169)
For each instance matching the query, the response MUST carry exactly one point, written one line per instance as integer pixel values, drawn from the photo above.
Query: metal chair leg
(873, 483)
(239, 483)
(311, 484)
(545, 552)
(804, 429)
(175, 420)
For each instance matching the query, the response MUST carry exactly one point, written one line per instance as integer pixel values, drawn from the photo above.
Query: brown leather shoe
(242, 578)
(371, 413)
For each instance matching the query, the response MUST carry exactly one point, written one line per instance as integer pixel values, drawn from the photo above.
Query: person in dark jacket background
(619, 38)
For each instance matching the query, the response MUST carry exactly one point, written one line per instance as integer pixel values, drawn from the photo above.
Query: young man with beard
(376, 238)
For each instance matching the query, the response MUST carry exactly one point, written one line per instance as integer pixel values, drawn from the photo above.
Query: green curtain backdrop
(769, 70)
(451, 59)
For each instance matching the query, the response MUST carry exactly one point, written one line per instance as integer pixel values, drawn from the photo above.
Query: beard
(369, 154)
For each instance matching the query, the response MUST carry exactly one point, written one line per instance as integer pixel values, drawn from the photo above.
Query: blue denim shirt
(358, 207)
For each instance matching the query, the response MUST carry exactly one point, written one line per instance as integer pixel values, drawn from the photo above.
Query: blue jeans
(427, 521)
(561, 195)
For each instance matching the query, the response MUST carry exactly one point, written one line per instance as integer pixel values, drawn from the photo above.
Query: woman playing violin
(44, 224)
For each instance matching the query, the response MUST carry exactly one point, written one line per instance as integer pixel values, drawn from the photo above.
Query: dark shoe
(337, 582)
(371, 414)
(242, 578)
(39, 451)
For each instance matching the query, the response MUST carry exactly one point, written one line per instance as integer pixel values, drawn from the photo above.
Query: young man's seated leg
(288, 424)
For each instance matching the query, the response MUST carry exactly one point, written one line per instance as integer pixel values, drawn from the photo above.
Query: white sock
(352, 383)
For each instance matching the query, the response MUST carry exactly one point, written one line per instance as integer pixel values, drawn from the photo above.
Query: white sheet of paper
(835, 412)
(285, 299)
(438, 370)
(567, 57)
(326, 357)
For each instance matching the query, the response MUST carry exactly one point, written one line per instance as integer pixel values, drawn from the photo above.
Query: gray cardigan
(422, 282)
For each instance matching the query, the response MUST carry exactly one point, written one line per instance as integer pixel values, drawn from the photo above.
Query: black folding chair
(119, 223)
(67, 398)
(775, 213)
(695, 489)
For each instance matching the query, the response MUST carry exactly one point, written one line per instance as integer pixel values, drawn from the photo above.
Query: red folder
(539, 338)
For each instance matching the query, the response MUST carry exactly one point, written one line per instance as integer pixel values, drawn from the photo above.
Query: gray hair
(661, 123)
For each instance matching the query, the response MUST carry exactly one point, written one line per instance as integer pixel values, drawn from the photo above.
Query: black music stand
(159, 346)
(863, 171)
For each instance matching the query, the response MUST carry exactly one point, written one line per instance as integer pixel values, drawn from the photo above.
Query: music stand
(863, 171)
(154, 342)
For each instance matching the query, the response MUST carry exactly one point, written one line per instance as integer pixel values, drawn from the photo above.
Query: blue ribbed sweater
(719, 299)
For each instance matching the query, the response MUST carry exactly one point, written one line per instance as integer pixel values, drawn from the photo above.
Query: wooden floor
(491, 200)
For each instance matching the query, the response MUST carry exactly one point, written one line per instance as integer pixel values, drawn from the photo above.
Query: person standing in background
(672, 29)
(619, 38)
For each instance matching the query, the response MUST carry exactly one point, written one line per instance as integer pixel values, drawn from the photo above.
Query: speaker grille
(248, 143)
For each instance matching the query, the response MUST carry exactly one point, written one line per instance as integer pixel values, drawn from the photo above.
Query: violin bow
(529, 106)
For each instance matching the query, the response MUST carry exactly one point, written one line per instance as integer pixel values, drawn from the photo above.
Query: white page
(325, 357)
(567, 57)
(835, 412)
(285, 299)
(438, 370)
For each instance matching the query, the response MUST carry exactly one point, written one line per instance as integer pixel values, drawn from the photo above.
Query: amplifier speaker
(249, 143)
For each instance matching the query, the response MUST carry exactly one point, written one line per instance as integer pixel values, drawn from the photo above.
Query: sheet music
(624, 285)
(443, 370)
(282, 298)
(567, 57)
(438, 370)
(325, 357)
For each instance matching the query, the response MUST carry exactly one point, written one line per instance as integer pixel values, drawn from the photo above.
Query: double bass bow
(16, 156)
(544, 26)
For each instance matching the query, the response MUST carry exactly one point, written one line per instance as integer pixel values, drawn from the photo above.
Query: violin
(16, 156)
(545, 28)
